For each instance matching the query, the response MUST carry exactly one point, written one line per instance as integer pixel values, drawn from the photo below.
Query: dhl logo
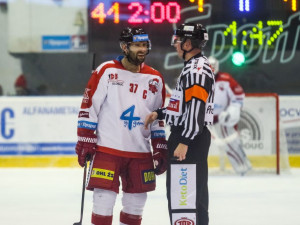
(102, 173)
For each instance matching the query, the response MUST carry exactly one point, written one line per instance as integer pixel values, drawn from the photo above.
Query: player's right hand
(85, 147)
(150, 118)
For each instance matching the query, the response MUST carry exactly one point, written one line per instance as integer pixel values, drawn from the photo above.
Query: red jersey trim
(116, 152)
(234, 85)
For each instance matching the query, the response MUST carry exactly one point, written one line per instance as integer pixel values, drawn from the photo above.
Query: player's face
(177, 45)
(138, 52)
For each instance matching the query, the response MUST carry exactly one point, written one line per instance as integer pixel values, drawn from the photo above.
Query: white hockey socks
(103, 204)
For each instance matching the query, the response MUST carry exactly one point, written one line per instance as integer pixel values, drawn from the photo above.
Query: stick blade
(78, 223)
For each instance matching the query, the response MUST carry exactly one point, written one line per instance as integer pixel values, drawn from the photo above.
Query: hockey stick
(82, 196)
(94, 62)
(85, 164)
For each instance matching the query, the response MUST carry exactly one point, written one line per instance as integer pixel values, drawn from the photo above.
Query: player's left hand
(160, 155)
(180, 151)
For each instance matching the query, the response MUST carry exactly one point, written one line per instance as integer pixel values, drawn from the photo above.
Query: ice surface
(53, 196)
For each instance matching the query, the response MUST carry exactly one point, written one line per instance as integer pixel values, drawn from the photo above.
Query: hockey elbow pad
(160, 155)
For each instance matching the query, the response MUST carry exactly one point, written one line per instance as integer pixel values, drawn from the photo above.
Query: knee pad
(103, 202)
(134, 203)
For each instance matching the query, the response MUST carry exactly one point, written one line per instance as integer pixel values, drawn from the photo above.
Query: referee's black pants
(187, 189)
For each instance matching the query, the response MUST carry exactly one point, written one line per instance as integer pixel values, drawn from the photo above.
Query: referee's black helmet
(196, 32)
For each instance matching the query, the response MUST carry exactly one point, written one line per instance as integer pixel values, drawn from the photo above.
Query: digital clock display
(136, 12)
(267, 32)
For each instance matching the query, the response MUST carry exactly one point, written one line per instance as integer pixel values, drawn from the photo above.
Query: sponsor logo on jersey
(158, 134)
(117, 82)
(196, 63)
(102, 173)
(113, 79)
(210, 110)
(238, 90)
(129, 119)
(162, 146)
(148, 176)
(153, 85)
(87, 125)
(184, 221)
(173, 105)
(86, 96)
(84, 114)
(161, 123)
(221, 87)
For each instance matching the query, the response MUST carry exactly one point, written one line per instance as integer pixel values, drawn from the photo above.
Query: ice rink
(53, 196)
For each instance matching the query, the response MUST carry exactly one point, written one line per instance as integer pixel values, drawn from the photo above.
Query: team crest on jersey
(86, 96)
(153, 85)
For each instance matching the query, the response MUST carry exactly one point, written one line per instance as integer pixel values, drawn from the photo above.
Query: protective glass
(175, 39)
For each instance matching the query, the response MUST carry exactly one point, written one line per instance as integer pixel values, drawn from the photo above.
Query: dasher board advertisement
(38, 125)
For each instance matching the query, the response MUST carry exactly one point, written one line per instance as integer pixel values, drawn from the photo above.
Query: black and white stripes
(196, 83)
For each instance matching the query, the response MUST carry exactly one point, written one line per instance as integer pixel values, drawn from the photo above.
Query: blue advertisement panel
(56, 43)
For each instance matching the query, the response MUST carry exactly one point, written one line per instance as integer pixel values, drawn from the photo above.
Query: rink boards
(41, 132)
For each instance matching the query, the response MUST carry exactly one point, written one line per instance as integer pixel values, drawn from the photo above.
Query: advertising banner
(38, 125)
(290, 121)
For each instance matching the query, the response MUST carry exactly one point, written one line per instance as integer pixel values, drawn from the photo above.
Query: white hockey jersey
(115, 104)
(227, 91)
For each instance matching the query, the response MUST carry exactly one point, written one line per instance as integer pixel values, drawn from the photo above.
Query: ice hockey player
(118, 96)
(189, 112)
(229, 98)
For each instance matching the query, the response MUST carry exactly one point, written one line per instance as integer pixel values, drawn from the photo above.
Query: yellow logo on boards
(102, 173)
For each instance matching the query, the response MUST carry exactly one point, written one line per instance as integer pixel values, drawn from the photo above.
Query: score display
(267, 32)
(138, 13)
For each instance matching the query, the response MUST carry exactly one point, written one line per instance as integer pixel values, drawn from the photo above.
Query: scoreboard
(266, 32)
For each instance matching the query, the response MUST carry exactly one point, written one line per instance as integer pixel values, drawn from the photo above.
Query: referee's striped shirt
(196, 85)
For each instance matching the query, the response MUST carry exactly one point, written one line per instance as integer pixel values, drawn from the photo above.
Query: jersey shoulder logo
(153, 85)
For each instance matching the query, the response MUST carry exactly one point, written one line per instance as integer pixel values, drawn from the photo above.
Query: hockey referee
(189, 111)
